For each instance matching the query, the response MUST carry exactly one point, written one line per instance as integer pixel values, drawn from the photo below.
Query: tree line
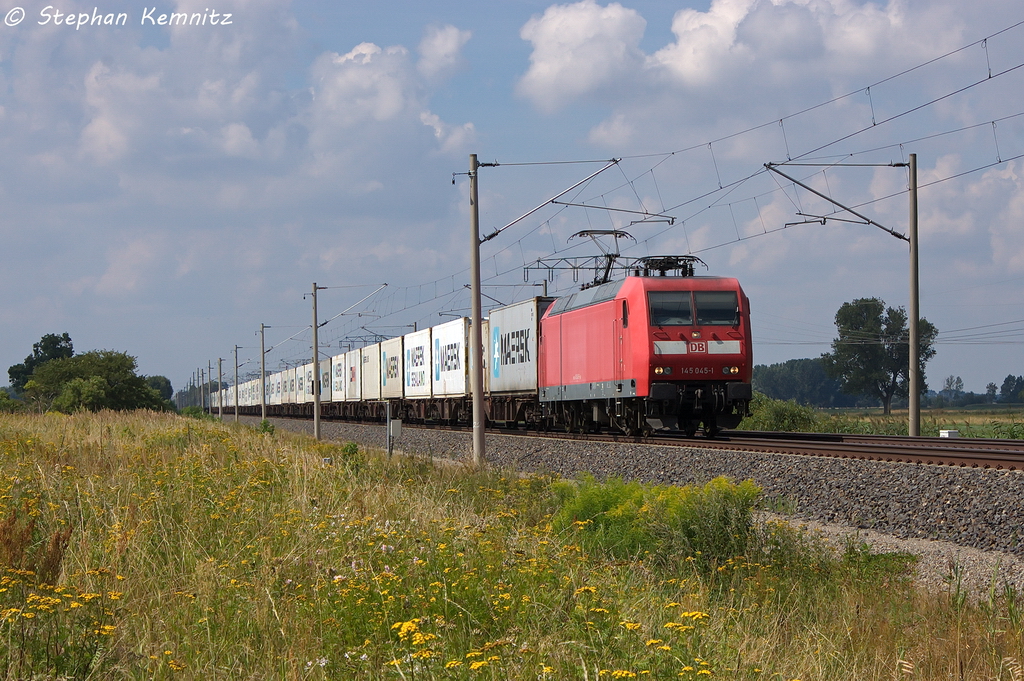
(869, 366)
(54, 378)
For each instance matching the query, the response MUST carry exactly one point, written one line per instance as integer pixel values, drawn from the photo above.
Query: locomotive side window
(590, 296)
(717, 308)
(625, 314)
(670, 308)
(561, 304)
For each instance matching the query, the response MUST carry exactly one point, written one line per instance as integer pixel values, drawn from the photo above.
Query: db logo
(698, 346)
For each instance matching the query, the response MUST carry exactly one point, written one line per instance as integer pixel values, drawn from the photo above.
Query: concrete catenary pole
(263, 373)
(316, 369)
(913, 379)
(236, 384)
(476, 375)
(209, 384)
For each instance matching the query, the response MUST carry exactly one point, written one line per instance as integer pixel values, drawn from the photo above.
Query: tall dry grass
(151, 546)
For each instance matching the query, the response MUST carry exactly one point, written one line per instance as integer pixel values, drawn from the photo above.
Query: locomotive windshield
(674, 308)
(717, 308)
(670, 308)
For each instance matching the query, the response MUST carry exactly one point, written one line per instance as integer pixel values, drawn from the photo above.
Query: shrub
(8, 404)
(1011, 431)
(197, 413)
(768, 414)
(709, 523)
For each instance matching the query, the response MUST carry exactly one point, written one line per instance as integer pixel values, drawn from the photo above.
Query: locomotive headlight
(730, 370)
(659, 370)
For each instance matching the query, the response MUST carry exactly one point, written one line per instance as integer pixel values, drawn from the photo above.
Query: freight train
(634, 355)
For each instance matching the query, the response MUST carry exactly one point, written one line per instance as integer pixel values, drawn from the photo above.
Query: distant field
(981, 420)
(984, 421)
(153, 546)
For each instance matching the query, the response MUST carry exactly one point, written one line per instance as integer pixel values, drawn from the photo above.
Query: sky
(166, 189)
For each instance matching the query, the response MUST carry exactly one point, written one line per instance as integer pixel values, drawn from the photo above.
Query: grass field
(983, 421)
(148, 546)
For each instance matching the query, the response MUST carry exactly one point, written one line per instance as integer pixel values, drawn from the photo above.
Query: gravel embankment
(968, 519)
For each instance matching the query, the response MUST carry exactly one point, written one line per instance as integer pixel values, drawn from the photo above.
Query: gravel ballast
(956, 519)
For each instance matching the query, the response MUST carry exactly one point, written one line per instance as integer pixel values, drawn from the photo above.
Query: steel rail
(987, 453)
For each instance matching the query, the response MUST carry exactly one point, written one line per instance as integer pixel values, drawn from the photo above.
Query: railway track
(961, 452)
(998, 454)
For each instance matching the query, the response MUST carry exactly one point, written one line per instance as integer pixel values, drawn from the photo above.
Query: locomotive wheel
(568, 419)
(633, 421)
(711, 428)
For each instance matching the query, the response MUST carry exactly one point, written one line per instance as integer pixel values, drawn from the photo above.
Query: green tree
(990, 392)
(50, 347)
(802, 380)
(82, 394)
(99, 379)
(1011, 389)
(871, 356)
(162, 385)
(7, 403)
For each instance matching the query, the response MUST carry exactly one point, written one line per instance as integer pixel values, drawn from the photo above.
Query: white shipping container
(288, 389)
(485, 333)
(338, 378)
(325, 380)
(353, 374)
(450, 358)
(512, 346)
(417, 365)
(391, 368)
(370, 358)
(274, 390)
(300, 383)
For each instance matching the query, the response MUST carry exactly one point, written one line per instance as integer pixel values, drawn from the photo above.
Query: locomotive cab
(700, 359)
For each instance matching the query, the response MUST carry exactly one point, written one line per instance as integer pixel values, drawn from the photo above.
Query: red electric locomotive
(648, 353)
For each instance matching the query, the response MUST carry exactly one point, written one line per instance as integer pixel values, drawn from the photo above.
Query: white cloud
(723, 55)
(440, 51)
(103, 140)
(704, 41)
(615, 133)
(579, 49)
(1005, 187)
(238, 141)
(452, 138)
(128, 267)
(366, 84)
